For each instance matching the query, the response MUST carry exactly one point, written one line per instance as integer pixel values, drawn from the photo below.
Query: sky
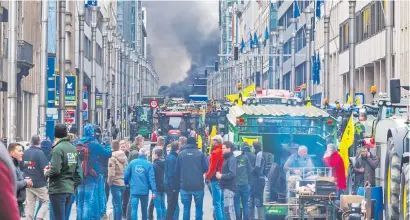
(183, 35)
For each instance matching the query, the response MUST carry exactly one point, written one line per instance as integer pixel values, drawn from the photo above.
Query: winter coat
(139, 174)
(7, 186)
(134, 153)
(191, 167)
(338, 169)
(369, 164)
(96, 151)
(21, 183)
(251, 156)
(171, 182)
(64, 174)
(159, 170)
(295, 161)
(228, 178)
(116, 167)
(103, 160)
(34, 163)
(215, 163)
(244, 170)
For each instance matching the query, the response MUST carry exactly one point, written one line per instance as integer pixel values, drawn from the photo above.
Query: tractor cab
(174, 125)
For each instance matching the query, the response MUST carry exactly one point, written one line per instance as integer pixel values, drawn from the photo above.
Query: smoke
(184, 38)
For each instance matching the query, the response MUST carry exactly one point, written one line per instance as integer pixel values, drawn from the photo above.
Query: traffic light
(216, 66)
(235, 53)
(206, 73)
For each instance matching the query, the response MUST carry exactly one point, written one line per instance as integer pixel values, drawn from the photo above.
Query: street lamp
(94, 20)
(308, 12)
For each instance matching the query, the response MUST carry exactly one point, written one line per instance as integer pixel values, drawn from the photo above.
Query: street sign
(90, 3)
(153, 103)
(98, 101)
(69, 116)
(70, 90)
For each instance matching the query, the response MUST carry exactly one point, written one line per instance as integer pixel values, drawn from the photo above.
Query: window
(369, 21)
(344, 36)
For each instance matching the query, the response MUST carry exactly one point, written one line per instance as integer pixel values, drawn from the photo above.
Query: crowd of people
(48, 178)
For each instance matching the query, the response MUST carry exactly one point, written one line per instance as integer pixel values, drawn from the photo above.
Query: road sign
(90, 3)
(69, 116)
(153, 103)
(70, 90)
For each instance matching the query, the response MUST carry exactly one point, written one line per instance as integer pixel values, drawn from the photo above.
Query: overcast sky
(181, 33)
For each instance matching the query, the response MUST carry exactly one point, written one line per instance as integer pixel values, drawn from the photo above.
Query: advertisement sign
(98, 101)
(70, 90)
(69, 116)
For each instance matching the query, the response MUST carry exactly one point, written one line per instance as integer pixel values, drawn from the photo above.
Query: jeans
(172, 205)
(116, 194)
(159, 203)
(60, 205)
(229, 209)
(125, 200)
(186, 199)
(256, 197)
(134, 206)
(217, 200)
(242, 197)
(68, 212)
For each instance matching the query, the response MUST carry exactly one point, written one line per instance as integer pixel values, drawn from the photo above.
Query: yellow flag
(199, 141)
(232, 97)
(249, 140)
(247, 91)
(349, 100)
(309, 103)
(213, 134)
(346, 142)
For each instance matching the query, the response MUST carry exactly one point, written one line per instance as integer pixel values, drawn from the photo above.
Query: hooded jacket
(159, 169)
(336, 162)
(244, 169)
(46, 148)
(134, 153)
(171, 182)
(228, 179)
(139, 174)
(215, 163)
(191, 166)
(96, 151)
(116, 168)
(34, 163)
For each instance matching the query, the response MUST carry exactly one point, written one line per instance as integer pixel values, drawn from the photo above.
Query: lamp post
(117, 78)
(308, 12)
(274, 37)
(104, 73)
(111, 60)
(12, 72)
(293, 69)
(61, 103)
(43, 68)
(80, 106)
(281, 29)
(352, 65)
(94, 17)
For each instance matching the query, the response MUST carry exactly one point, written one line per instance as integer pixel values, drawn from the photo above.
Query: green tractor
(142, 121)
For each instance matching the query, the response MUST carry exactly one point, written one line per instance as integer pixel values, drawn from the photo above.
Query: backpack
(268, 158)
(84, 156)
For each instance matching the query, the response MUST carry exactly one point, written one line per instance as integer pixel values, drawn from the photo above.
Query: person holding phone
(365, 167)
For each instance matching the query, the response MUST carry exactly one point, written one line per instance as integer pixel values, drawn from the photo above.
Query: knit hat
(191, 140)
(60, 131)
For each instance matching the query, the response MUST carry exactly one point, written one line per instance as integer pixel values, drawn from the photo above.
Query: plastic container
(377, 194)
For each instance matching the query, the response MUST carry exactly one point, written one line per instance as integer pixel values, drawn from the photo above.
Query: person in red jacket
(333, 159)
(215, 165)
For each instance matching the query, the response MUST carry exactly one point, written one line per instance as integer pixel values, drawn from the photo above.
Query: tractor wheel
(405, 192)
(392, 183)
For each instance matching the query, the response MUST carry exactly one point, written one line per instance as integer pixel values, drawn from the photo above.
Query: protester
(191, 167)
(228, 180)
(63, 173)
(103, 161)
(215, 165)
(115, 179)
(257, 183)
(333, 159)
(182, 142)
(171, 183)
(46, 148)
(34, 163)
(160, 145)
(246, 149)
(365, 167)
(9, 208)
(168, 149)
(138, 144)
(301, 159)
(243, 174)
(16, 152)
(139, 174)
(91, 201)
(159, 169)
(126, 194)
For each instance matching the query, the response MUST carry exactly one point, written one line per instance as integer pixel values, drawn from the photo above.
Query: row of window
(369, 22)
(88, 51)
(285, 19)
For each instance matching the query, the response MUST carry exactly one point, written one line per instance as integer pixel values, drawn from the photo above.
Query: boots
(261, 213)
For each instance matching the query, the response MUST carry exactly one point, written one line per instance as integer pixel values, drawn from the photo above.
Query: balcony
(24, 56)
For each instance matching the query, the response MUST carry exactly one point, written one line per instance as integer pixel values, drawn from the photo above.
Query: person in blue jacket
(140, 176)
(91, 199)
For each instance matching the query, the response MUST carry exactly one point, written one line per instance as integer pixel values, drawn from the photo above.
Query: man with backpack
(244, 173)
(91, 201)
